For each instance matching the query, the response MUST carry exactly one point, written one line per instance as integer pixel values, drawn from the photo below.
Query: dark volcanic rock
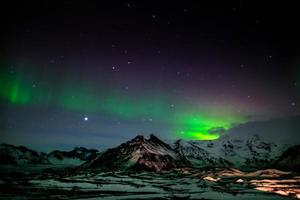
(138, 153)
(290, 159)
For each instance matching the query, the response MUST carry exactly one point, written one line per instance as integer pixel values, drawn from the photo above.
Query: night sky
(96, 74)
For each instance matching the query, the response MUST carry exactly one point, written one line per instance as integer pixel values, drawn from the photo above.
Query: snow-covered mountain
(249, 146)
(198, 156)
(246, 153)
(10, 154)
(249, 153)
(75, 157)
(242, 151)
(139, 153)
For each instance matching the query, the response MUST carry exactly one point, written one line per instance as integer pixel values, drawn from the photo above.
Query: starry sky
(95, 74)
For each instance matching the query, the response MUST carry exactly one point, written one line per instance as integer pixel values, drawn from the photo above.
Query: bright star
(86, 118)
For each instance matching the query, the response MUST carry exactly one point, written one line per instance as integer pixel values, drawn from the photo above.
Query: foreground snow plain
(176, 184)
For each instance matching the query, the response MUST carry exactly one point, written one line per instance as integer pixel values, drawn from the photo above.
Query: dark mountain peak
(293, 151)
(138, 153)
(155, 139)
(290, 159)
(178, 141)
(157, 142)
(177, 144)
(140, 139)
(137, 139)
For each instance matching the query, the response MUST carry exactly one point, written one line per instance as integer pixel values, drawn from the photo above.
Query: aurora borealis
(19, 90)
(78, 74)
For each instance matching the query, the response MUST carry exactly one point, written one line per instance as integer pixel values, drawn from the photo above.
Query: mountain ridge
(12, 154)
(153, 154)
(138, 153)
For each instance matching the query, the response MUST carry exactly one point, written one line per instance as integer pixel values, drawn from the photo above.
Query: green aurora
(186, 121)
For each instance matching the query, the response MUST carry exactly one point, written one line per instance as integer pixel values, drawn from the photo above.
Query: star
(293, 104)
(86, 118)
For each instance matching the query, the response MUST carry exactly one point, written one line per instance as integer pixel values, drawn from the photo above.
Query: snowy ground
(147, 185)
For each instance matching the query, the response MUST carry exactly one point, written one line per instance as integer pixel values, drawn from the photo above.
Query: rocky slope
(290, 159)
(197, 156)
(10, 154)
(248, 153)
(139, 153)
